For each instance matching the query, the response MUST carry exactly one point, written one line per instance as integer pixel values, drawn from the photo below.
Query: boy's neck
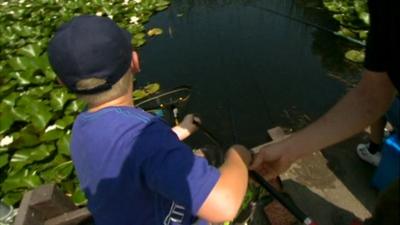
(125, 100)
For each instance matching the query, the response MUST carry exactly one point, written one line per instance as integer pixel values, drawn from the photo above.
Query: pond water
(252, 64)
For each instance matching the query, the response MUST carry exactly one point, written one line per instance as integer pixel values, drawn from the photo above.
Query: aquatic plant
(36, 113)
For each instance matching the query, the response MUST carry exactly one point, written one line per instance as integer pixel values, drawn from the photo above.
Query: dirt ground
(333, 186)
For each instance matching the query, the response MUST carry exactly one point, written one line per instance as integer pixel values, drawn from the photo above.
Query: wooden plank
(50, 201)
(276, 134)
(26, 215)
(70, 218)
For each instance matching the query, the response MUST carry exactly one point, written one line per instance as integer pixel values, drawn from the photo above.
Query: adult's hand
(273, 160)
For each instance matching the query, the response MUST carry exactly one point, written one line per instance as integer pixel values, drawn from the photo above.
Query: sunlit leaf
(58, 98)
(63, 146)
(52, 135)
(39, 112)
(155, 32)
(79, 198)
(75, 106)
(139, 94)
(151, 88)
(27, 156)
(22, 179)
(11, 198)
(10, 99)
(64, 122)
(355, 56)
(58, 173)
(31, 50)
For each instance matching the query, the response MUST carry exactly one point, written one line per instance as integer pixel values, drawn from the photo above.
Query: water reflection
(246, 64)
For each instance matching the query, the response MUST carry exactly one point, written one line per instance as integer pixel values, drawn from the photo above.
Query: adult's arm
(356, 110)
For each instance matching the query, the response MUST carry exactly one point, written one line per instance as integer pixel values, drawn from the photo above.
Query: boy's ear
(135, 63)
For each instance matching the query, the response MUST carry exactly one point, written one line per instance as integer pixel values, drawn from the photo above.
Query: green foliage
(353, 17)
(36, 113)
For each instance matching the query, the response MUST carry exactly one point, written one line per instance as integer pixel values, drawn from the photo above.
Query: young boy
(132, 167)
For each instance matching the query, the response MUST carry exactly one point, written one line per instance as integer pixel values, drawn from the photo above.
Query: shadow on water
(249, 62)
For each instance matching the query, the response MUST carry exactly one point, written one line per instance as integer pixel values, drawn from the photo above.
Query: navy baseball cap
(90, 47)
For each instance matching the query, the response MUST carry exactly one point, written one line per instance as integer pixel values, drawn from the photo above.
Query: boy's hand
(187, 126)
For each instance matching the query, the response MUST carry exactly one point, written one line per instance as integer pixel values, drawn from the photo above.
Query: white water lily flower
(138, 1)
(134, 19)
(99, 14)
(6, 141)
(125, 2)
(110, 16)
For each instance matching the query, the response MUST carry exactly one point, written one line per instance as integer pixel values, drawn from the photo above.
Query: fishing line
(308, 23)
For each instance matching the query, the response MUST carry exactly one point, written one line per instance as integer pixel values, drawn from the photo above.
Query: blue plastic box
(389, 167)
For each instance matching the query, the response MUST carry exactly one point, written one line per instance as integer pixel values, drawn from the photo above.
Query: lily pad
(31, 50)
(22, 179)
(152, 88)
(355, 56)
(3, 160)
(154, 32)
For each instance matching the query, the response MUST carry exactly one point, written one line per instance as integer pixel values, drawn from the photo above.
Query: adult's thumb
(257, 162)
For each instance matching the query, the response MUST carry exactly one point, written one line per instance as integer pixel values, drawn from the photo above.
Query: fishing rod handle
(278, 196)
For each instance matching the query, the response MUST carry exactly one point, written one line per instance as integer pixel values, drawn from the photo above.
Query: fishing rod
(305, 22)
(170, 100)
(292, 208)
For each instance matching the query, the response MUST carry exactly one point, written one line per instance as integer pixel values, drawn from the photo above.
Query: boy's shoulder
(112, 124)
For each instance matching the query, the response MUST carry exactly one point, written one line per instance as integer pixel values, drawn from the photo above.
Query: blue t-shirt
(134, 170)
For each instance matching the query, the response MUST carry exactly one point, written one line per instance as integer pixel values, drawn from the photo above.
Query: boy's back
(130, 163)
(132, 167)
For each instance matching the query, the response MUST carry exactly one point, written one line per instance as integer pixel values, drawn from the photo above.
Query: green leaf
(64, 122)
(151, 88)
(22, 179)
(63, 146)
(139, 36)
(25, 157)
(139, 94)
(39, 112)
(39, 91)
(31, 50)
(68, 186)
(20, 114)
(79, 198)
(3, 160)
(58, 173)
(6, 121)
(22, 77)
(20, 63)
(10, 99)
(154, 32)
(25, 138)
(58, 159)
(75, 106)
(3, 149)
(355, 56)
(58, 98)
(52, 135)
(12, 198)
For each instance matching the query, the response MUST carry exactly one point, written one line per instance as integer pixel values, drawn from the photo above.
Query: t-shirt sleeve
(376, 56)
(173, 171)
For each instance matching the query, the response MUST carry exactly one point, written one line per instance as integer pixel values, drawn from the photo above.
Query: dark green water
(250, 66)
